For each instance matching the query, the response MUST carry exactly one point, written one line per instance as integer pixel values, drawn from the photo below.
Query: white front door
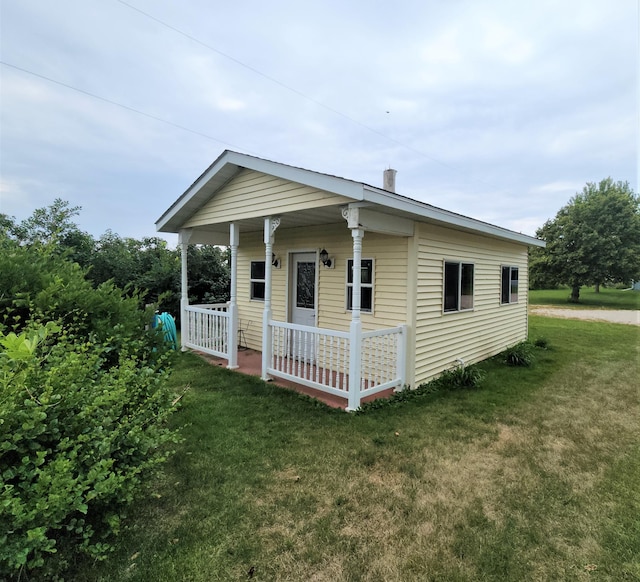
(302, 289)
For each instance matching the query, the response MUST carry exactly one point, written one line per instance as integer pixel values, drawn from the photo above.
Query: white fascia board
(423, 210)
(192, 192)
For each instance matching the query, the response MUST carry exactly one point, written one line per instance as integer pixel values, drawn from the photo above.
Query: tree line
(145, 265)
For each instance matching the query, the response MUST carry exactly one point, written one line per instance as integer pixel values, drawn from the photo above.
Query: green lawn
(533, 477)
(606, 299)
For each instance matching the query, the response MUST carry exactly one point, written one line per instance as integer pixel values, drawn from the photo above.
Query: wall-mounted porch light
(325, 260)
(275, 261)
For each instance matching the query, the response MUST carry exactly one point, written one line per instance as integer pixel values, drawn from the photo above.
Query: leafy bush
(542, 343)
(461, 377)
(40, 285)
(83, 410)
(75, 443)
(520, 354)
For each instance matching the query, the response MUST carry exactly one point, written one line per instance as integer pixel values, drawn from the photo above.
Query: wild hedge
(83, 410)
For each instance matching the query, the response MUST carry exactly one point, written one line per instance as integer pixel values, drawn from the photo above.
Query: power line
(284, 85)
(123, 106)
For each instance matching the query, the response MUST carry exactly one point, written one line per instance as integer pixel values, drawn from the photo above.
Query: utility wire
(127, 107)
(284, 85)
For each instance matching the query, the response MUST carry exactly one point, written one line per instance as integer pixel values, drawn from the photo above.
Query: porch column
(183, 241)
(233, 299)
(355, 330)
(270, 226)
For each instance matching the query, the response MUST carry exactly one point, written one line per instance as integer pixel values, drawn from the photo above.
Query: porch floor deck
(250, 363)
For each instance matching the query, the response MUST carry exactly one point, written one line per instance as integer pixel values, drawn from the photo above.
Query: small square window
(366, 285)
(458, 286)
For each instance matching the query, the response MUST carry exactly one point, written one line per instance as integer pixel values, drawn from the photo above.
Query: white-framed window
(366, 285)
(509, 284)
(257, 280)
(458, 286)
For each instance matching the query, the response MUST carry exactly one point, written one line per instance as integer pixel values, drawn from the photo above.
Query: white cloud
(514, 105)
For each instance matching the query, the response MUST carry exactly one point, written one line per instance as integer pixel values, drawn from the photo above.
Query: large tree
(593, 239)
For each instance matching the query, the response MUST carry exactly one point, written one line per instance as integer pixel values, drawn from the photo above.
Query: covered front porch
(347, 366)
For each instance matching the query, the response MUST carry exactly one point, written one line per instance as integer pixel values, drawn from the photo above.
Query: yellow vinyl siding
(442, 338)
(390, 276)
(252, 194)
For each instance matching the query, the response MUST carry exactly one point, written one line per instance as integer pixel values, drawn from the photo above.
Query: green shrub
(520, 354)
(461, 377)
(83, 410)
(76, 441)
(542, 343)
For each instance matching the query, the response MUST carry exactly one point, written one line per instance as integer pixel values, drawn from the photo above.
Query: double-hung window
(509, 285)
(257, 280)
(458, 286)
(366, 285)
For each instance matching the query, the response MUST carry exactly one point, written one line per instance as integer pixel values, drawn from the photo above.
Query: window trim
(252, 280)
(362, 285)
(460, 264)
(517, 293)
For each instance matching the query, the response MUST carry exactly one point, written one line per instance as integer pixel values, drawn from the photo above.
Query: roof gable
(227, 166)
(251, 194)
(216, 198)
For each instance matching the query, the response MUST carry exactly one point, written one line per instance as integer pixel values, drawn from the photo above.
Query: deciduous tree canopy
(593, 239)
(147, 265)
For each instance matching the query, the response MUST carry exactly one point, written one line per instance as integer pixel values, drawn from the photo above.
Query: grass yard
(533, 477)
(606, 299)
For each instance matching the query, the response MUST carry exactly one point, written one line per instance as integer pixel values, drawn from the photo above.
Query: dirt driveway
(626, 316)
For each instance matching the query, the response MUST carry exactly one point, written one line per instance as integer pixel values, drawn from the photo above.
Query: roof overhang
(380, 204)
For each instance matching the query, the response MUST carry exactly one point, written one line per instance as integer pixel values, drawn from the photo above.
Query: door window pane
(305, 285)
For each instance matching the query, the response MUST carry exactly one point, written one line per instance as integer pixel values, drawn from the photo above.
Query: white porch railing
(320, 358)
(208, 329)
(314, 357)
(383, 360)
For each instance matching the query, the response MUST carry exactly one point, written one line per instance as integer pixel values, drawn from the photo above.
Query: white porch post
(401, 364)
(270, 226)
(355, 329)
(183, 241)
(233, 299)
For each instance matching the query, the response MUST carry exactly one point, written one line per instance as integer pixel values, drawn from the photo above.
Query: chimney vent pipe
(389, 180)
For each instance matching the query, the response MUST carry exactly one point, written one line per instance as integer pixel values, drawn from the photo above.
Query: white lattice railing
(315, 357)
(320, 358)
(208, 329)
(383, 360)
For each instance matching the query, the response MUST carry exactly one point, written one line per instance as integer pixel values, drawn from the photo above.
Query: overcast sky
(499, 110)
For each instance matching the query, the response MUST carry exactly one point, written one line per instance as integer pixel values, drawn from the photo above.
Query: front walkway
(250, 363)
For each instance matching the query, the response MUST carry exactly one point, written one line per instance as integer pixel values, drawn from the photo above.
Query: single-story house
(345, 287)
